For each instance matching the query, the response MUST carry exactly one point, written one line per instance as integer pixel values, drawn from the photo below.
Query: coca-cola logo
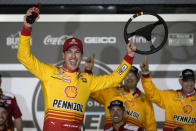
(51, 40)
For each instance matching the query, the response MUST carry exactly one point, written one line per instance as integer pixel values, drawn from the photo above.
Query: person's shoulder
(8, 94)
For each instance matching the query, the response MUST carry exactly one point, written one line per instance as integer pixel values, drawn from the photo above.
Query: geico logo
(100, 40)
(139, 39)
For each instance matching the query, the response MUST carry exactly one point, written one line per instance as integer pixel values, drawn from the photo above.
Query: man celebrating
(66, 89)
(139, 109)
(118, 113)
(179, 105)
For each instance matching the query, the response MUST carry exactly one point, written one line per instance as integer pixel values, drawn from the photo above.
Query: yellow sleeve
(39, 69)
(99, 96)
(150, 123)
(112, 80)
(153, 94)
(105, 95)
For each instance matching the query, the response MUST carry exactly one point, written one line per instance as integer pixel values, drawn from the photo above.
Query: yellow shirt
(139, 110)
(180, 111)
(66, 93)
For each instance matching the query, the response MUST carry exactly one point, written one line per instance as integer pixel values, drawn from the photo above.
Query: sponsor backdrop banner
(106, 40)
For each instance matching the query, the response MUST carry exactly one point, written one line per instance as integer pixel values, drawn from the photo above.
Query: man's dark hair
(135, 71)
(3, 105)
(117, 103)
(187, 74)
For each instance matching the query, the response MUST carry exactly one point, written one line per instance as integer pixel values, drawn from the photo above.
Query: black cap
(116, 103)
(187, 74)
(3, 105)
(135, 71)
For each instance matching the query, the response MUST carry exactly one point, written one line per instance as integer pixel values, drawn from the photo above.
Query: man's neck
(132, 90)
(118, 125)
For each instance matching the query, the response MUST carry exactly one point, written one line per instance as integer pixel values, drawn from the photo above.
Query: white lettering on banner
(100, 40)
(181, 39)
(13, 39)
(94, 121)
(49, 40)
(140, 39)
(94, 104)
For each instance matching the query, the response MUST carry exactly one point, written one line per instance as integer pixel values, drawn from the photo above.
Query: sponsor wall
(102, 35)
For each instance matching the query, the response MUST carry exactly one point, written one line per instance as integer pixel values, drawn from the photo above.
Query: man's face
(3, 116)
(188, 86)
(72, 57)
(130, 81)
(117, 114)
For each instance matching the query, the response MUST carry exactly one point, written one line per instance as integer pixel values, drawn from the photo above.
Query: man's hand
(89, 63)
(144, 66)
(29, 12)
(131, 48)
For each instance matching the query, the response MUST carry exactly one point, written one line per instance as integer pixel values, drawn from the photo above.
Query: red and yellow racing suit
(180, 110)
(139, 110)
(66, 92)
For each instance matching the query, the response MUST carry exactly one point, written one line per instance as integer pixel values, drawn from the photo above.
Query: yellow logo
(129, 104)
(71, 91)
(187, 109)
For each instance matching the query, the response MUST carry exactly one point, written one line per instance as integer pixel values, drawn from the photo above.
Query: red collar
(121, 128)
(68, 70)
(136, 93)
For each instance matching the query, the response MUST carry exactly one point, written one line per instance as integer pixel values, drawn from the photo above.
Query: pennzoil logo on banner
(71, 91)
(13, 39)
